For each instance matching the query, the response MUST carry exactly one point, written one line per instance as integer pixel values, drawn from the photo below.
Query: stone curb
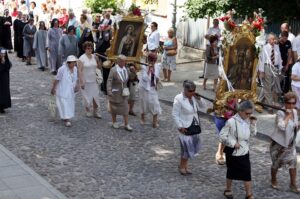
(36, 176)
(211, 118)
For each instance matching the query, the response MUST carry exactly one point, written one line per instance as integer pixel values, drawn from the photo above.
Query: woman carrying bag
(235, 136)
(185, 113)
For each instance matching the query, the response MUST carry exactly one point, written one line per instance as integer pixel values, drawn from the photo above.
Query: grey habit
(39, 44)
(68, 45)
(53, 37)
(28, 41)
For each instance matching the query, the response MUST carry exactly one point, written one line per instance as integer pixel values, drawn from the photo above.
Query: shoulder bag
(195, 127)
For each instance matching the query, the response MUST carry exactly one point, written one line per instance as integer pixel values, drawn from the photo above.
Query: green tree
(275, 10)
(98, 6)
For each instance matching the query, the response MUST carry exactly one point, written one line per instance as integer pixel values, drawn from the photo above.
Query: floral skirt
(282, 156)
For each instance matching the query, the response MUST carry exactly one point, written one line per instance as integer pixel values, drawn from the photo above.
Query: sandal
(294, 189)
(274, 185)
(249, 197)
(228, 194)
(188, 172)
(182, 171)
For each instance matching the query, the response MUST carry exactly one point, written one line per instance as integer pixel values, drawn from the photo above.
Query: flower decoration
(257, 24)
(228, 21)
(135, 10)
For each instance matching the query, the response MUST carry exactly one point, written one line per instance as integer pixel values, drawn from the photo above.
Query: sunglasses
(291, 103)
(191, 91)
(248, 113)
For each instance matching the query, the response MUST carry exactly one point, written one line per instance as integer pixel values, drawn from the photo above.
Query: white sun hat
(72, 58)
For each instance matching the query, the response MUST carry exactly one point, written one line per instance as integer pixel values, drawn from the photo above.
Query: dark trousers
(105, 73)
(286, 82)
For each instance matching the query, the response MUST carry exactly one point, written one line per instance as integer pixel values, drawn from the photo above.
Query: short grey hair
(121, 58)
(189, 85)
(245, 105)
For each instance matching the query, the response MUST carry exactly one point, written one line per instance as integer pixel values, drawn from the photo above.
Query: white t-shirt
(153, 40)
(296, 71)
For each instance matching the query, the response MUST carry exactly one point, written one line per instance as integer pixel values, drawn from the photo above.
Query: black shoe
(28, 63)
(42, 68)
(201, 76)
(2, 110)
(53, 72)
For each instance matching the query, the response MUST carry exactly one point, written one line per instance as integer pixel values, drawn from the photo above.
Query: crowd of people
(74, 50)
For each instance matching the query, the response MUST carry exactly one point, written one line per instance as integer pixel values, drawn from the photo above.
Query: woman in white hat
(64, 86)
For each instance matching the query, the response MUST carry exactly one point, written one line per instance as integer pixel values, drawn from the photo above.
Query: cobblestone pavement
(90, 160)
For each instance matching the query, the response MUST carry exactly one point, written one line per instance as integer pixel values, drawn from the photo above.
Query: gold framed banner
(239, 64)
(128, 39)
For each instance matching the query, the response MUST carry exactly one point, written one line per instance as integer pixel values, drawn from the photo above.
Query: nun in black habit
(5, 65)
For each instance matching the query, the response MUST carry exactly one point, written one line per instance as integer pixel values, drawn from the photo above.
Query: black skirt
(238, 167)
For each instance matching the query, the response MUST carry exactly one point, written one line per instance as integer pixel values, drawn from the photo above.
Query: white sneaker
(115, 125)
(68, 124)
(89, 114)
(97, 115)
(128, 128)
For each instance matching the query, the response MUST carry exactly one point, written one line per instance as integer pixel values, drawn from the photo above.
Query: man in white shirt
(286, 27)
(215, 30)
(153, 38)
(296, 47)
(269, 70)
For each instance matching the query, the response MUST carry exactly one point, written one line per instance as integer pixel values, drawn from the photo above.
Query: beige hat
(72, 58)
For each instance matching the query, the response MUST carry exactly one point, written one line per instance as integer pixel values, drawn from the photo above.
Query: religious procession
(93, 65)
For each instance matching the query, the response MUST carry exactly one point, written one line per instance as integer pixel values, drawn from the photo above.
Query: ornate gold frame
(222, 95)
(110, 51)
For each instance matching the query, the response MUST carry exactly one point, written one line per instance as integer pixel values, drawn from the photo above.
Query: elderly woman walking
(169, 55)
(149, 102)
(88, 63)
(52, 44)
(28, 34)
(68, 44)
(64, 87)
(235, 136)
(118, 92)
(39, 45)
(283, 146)
(185, 114)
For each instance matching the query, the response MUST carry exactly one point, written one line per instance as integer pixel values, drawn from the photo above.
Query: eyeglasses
(191, 91)
(292, 103)
(248, 113)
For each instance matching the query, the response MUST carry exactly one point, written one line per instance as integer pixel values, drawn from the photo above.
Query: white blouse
(283, 133)
(183, 112)
(237, 130)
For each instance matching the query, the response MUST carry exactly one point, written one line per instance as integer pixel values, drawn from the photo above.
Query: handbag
(125, 92)
(171, 52)
(52, 107)
(194, 129)
(229, 150)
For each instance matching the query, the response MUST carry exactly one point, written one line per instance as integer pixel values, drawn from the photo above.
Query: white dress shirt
(296, 71)
(237, 130)
(122, 72)
(266, 57)
(183, 112)
(153, 40)
(296, 45)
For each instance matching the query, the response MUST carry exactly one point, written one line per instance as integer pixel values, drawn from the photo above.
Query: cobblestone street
(91, 160)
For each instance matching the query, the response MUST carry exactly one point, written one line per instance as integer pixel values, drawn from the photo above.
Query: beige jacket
(115, 86)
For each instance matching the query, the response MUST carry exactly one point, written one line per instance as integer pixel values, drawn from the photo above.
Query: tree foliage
(275, 10)
(98, 6)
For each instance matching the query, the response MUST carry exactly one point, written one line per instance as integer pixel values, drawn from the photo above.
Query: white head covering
(71, 58)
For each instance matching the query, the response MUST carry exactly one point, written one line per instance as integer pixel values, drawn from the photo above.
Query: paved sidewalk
(192, 71)
(18, 181)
